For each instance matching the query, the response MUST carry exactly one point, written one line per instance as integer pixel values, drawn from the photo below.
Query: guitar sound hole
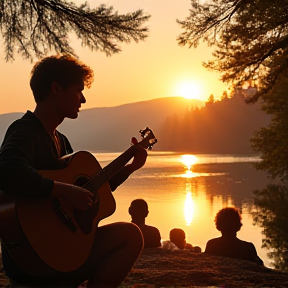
(84, 219)
(83, 182)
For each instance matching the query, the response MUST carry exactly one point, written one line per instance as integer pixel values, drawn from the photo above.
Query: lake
(186, 191)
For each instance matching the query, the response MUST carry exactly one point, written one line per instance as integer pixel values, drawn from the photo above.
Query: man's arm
(16, 175)
(138, 161)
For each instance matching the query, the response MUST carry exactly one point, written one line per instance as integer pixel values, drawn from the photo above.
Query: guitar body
(58, 233)
(61, 235)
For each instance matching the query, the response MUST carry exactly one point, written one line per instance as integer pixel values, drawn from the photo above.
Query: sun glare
(189, 91)
(188, 160)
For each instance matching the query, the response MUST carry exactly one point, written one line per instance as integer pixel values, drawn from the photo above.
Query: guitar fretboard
(111, 169)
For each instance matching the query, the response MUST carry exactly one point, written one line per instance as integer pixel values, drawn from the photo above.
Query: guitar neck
(111, 169)
(116, 165)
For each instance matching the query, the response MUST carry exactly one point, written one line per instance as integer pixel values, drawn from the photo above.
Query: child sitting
(178, 242)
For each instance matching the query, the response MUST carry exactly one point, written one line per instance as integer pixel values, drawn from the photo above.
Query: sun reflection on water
(189, 207)
(189, 161)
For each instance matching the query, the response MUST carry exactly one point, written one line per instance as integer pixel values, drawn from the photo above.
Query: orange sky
(155, 68)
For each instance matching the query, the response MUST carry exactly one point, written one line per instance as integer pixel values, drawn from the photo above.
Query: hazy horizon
(146, 100)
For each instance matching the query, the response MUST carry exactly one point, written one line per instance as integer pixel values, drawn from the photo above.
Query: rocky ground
(159, 268)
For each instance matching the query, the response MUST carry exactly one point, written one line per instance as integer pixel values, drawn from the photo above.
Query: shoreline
(161, 268)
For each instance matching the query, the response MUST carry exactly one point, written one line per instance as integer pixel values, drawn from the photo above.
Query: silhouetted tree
(36, 27)
(222, 127)
(251, 40)
(272, 215)
(272, 141)
(250, 36)
(210, 100)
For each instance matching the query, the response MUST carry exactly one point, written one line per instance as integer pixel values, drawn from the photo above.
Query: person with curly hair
(228, 222)
(33, 143)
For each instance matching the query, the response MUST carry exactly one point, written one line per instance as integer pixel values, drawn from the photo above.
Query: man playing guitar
(32, 144)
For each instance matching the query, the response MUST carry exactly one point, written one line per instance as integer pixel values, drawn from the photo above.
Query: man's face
(70, 100)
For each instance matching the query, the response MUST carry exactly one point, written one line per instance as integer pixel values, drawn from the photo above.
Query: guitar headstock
(149, 138)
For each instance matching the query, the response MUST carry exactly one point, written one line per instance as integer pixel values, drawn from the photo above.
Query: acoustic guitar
(61, 235)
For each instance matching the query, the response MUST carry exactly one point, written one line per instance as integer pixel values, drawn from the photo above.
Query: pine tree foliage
(211, 99)
(36, 27)
(224, 96)
(272, 141)
(250, 38)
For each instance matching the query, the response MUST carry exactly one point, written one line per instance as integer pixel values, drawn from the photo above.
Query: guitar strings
(89, 184)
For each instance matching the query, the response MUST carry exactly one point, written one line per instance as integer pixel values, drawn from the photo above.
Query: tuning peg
(149, 136)
(144, 131)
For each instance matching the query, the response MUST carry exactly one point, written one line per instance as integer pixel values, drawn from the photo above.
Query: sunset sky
(154, 68)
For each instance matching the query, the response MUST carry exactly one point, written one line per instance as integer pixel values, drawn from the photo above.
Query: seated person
(178, 241)
(228, 222)
(139, 211)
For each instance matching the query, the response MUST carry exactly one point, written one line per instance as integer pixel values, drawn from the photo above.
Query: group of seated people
(227, 221)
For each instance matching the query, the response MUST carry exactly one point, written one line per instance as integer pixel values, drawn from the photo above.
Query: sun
(189, 91)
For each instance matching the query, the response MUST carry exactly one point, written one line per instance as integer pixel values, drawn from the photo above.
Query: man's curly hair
(63, 69)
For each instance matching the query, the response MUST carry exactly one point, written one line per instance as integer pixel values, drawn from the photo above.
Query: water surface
(186, 191)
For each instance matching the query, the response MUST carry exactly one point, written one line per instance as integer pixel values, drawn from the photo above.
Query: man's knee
(134, 234)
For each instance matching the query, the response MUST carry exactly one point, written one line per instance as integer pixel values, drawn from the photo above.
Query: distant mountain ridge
(111, 128)
(221, 127)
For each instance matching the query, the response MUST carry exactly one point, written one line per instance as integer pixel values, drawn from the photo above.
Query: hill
(111, 128)
(221, 127)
